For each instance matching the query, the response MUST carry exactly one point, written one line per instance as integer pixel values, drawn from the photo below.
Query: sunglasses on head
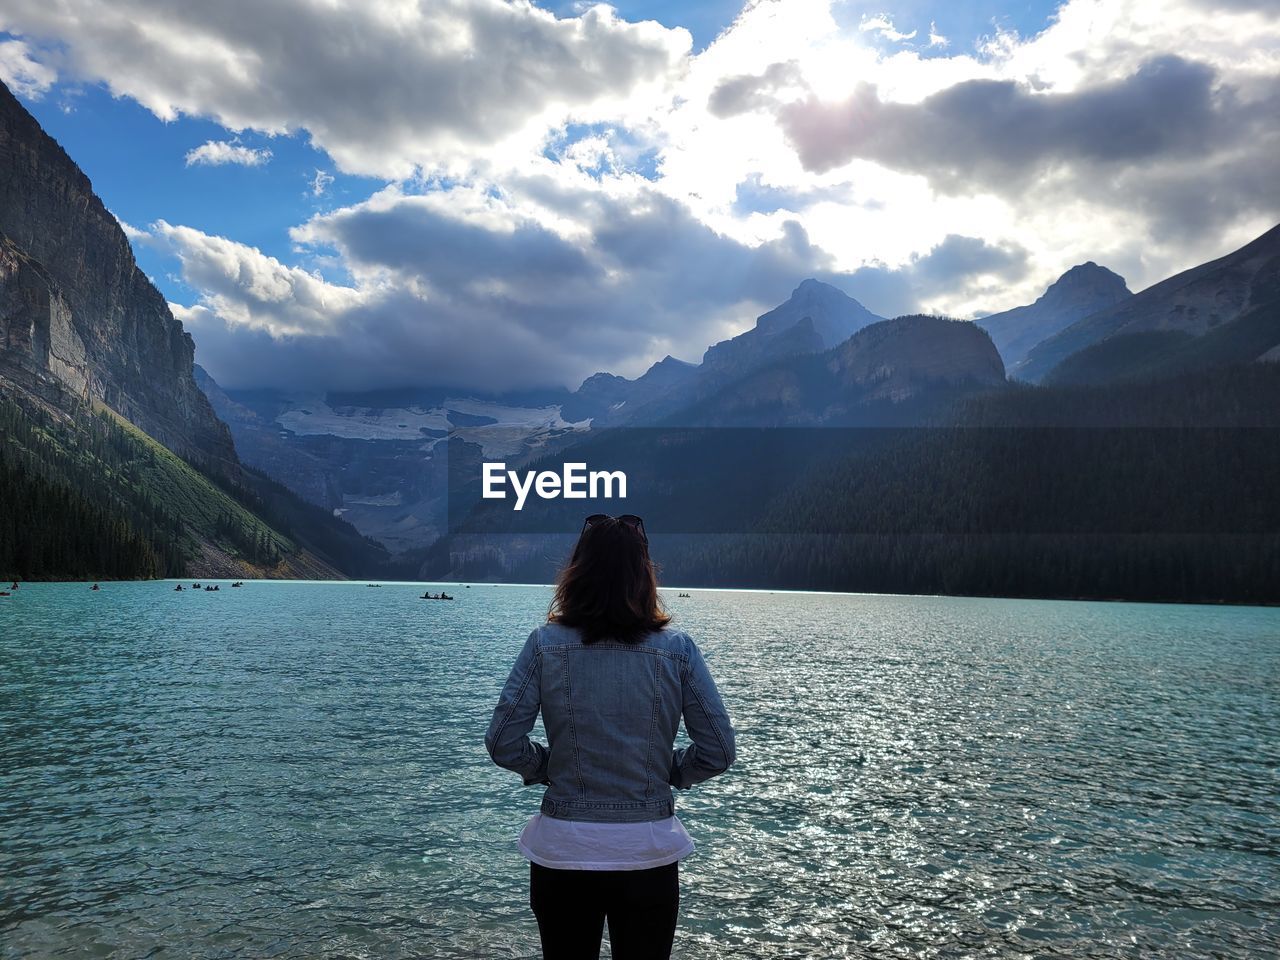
(630, 519)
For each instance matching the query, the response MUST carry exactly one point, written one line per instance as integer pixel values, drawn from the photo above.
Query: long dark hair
(609, 588)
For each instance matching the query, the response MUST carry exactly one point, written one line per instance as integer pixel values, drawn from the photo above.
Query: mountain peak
(670, 362)
(1083, 289)
(1089, 274)
(668, 372)
(599, 379)
(836, 316)
(811, 285)
(812, 290)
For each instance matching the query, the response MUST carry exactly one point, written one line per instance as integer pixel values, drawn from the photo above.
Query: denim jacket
(611, 711)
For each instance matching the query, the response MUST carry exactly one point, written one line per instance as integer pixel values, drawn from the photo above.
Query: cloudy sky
(349, 194)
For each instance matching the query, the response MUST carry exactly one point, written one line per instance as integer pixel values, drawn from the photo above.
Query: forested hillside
(89, 495)
(1160, 490)
(1155, 490)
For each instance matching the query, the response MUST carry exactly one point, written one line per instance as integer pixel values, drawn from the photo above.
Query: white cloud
(22, 73)
(387, 88)
(951, 176)
(320, 183)
(218, 153)
(247, 289)
(882, 25)
(1171, 185)
(552, 277)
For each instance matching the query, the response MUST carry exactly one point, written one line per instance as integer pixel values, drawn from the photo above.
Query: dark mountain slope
(1195, 302)
(1253, 335)
(1161, 490)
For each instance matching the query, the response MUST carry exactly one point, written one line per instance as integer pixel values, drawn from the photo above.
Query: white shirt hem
(661, 861)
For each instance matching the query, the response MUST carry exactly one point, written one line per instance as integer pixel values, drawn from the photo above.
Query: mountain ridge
(883, 366)
(1194, 301)
(815, 317)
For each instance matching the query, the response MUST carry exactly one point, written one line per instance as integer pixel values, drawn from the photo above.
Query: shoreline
(462, 584)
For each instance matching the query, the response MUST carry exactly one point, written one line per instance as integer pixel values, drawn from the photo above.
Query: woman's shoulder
(668, 637)
(672, 638)
(555, 634)
(552, 632)
(671, 630)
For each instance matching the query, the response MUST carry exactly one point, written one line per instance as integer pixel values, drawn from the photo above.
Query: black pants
(572, 905)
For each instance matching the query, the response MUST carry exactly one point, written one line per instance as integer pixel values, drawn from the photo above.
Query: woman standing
(612, 680)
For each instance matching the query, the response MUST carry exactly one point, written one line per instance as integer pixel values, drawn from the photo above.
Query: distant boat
(95, 587)
(5, 593)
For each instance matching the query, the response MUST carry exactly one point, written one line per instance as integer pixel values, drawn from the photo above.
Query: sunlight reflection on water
(297, 770)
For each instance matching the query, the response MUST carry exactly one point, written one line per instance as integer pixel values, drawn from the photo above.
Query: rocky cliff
(78, 318)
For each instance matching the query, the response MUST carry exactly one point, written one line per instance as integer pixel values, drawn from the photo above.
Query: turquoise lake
(297, 770)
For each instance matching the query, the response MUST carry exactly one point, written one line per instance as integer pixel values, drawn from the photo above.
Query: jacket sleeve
(705, 720)
(507, 739)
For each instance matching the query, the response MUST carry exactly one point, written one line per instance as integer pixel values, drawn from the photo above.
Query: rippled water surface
(297, 770)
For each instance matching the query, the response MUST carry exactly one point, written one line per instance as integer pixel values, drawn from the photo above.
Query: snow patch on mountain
(508, 427)
(312, 416)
